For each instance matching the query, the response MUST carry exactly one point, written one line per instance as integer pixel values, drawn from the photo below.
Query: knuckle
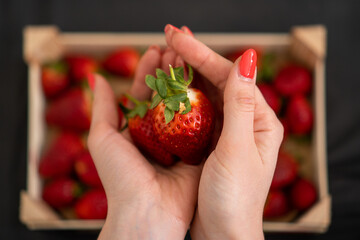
(244, 103)
(97, 132)
(203, 60)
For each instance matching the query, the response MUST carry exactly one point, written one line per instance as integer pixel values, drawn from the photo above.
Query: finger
(104, 108)
(147, 65)
(169, 57)
(207, 62)
(187, 31)
(239, 101)
(113, 155)
(179, 62)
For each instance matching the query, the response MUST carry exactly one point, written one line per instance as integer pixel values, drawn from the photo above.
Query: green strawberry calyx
(171, 90)
(140, 109)
(57, 66)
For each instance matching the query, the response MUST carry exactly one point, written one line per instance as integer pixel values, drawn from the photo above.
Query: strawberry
(61, 192)
(293, 80)
(81, 66)
(58, 160)
(299, 115)
(285, 172)
(71, 110)
(92, 205)
(54, 78)
(303, 194)
(271, 97)
(276, 204)
(122, 62)
(183, 118)
(141, 130)
(86, 170)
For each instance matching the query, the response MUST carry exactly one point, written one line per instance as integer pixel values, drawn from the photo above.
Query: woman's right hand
(237, 175)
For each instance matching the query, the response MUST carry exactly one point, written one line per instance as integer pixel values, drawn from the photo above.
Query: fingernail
(91, 81)
(247, 64)
(154, 47)
(169, 28)
(187, 30)
(179, 62)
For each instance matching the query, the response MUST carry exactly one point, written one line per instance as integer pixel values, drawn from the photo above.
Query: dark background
(342, 18)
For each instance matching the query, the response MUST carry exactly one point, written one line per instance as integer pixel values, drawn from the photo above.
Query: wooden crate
(43, 43)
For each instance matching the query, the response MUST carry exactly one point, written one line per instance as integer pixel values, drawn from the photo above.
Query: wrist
(236, 229)
(142, 222)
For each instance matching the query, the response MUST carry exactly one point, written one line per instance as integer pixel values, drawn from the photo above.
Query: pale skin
(146, 201)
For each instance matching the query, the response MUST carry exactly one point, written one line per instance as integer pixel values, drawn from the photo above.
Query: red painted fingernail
(91, 81)
(247, 63)
(169, 27)
(187, 30)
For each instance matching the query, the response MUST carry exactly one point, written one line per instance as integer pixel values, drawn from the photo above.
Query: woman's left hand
(144, 200)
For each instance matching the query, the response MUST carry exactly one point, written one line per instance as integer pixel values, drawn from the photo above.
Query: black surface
(342, 19)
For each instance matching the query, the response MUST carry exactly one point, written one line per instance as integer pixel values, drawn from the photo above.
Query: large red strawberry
(271, 97)
(285, 172)
(299, 115)
(276, 204)
(86, 170)
(293, 80)
(122, 62)
(54, 78)
(61, 192)
(92, 205)
(81, 66)
(183, 118)
(303, 194)
(141, 129)
(71, 110)
(58, 160)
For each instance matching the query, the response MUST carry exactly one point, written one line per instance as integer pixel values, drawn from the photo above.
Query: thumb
(239, 101)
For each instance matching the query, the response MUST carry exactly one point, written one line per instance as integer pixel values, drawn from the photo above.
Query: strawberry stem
(131, 98)
(172, 73)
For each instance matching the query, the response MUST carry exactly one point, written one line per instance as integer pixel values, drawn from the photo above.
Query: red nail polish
(187, 30)
(91, 80)
(247, 63)
(169, 26)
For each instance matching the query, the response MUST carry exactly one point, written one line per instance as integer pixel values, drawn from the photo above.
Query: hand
(237, 175)
(144, 200)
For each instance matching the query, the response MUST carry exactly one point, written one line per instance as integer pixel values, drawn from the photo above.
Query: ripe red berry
(276, 204)
(285, 172)
(58, 159)
(61, 192)
(293, 80)
(271, 97)
(81, 66)
(122, 62)
(299, 115)
(54, 78)
(303, 194)
(71, 110)
(86, 170)
(92, 205)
